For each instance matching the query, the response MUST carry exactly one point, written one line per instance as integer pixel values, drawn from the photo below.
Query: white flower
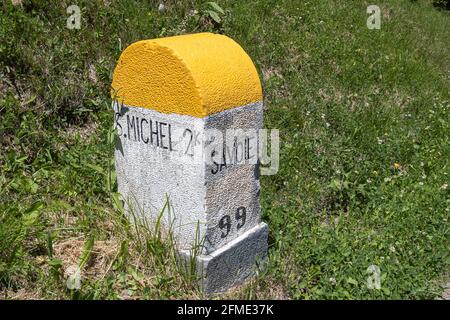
(74, 277)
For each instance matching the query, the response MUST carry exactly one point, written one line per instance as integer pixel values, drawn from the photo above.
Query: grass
(364, 126)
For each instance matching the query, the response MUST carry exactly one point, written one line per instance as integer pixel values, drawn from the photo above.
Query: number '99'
(225, 222)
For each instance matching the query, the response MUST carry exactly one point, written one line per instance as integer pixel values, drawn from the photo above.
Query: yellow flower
(397, 165)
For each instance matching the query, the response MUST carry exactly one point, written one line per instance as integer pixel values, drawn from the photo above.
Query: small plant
(212, 12)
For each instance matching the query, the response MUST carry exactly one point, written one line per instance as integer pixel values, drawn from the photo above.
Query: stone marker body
(174, 99)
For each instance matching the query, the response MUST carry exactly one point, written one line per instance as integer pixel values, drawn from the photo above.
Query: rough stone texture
(214, 204)
(236, 186)
(233, 263)
(148, 175)
(173, 92)
(194, 74)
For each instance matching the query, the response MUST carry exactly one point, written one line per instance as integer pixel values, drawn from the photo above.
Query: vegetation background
(364, 124)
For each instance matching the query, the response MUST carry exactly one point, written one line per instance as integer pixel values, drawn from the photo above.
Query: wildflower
(397, 165)
(73, 274)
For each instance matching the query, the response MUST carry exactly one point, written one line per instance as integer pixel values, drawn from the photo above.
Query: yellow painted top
(197, 74)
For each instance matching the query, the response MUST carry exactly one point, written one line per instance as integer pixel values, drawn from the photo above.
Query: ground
(364, 125)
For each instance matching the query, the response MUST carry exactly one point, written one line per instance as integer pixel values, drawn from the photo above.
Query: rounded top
(197, 74)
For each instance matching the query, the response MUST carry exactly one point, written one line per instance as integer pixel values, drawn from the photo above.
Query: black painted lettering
(154, 133)
(225, 222)
(241, 215)
(249, 148)
(137, 129)
(132, 125)
(145, 140)
(161, 135)
(170, 138)
(230, 154)
(215, 163)
(224, 160)
(118, 125)
(238, 156)
(188, 151)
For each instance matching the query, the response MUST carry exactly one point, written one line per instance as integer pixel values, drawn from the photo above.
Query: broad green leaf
(216, 7)
(88, 245)
(214, 16)
(96, 168)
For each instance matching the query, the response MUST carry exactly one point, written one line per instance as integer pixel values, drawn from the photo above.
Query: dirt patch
(271, 72)
(85, 132)
(69, 251)
(266, 290)
(446, 293)
(23, 294)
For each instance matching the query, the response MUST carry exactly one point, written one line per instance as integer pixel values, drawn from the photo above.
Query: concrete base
(233, 263)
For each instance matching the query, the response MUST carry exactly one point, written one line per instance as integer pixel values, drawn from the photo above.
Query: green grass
(364, 125)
